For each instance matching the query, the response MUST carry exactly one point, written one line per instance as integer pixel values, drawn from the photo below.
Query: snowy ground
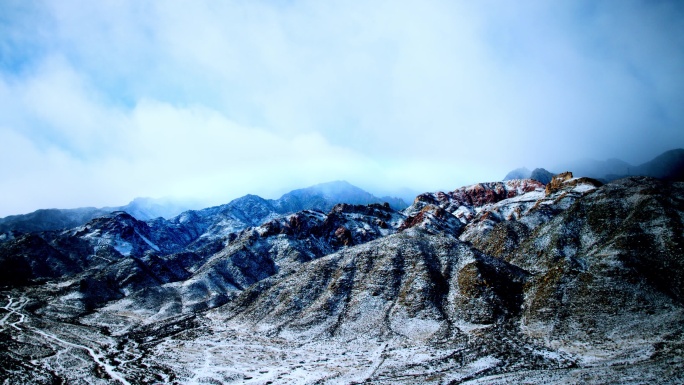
(229, 356)
(200, 350)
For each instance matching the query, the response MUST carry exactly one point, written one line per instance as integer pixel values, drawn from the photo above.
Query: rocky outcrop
(464, 203)
(502, 226)
(557, 182)
(433, 219)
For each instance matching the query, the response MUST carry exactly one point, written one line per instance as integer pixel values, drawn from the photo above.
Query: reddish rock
(344, 236)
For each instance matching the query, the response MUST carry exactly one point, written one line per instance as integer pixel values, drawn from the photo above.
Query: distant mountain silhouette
(597, 169)
(326, 195)
(518, 173)
(57, 219)
(541, 175)
(668, 165)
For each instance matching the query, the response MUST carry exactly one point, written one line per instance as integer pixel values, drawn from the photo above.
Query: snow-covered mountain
(247, 210)
(326, 195)
(503, 282)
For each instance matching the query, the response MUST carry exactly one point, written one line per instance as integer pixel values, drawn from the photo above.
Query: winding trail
(96, 357)
(13, 311)
(22, 317)
(9, 309)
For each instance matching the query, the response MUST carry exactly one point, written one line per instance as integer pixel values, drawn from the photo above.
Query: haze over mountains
(668, 165)
(516, 281)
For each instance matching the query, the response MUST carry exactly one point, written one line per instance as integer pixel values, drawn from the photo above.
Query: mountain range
(668, 165)
(568, 280)
(321, 197)
(55, 219)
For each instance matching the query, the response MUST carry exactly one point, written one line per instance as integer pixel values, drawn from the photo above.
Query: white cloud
(210, 98)
(163, 150)
(59, 106)
(47, 177)
(174, 145)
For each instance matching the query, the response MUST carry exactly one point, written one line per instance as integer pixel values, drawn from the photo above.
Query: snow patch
(124, 248)
(582, 188)
(152, 245)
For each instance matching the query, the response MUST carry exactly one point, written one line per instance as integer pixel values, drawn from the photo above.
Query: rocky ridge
(249, 210)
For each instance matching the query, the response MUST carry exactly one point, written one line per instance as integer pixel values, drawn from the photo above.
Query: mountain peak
(324, 196)
(329, 189)
(518, 173)
(668, 165)
(541, 175)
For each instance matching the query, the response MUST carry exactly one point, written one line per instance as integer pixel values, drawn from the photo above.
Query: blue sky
(102, 102)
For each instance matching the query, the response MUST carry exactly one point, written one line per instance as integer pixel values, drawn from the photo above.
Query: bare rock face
(565, 180)
(466, 203)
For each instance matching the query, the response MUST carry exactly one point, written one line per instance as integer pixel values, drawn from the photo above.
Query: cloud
(177, 145)
(58, 106)
(163, 150)
(219, 99)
